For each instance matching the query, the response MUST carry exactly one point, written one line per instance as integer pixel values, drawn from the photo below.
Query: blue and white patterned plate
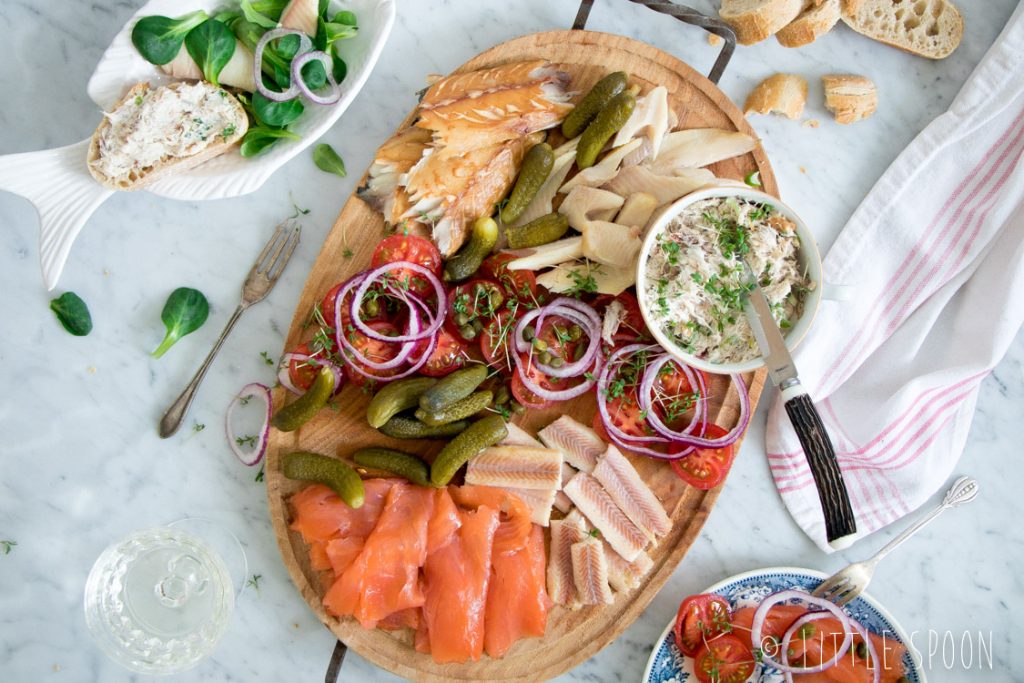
(668, 665)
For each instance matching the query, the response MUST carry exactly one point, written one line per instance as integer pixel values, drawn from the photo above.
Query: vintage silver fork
(847, 584)
(261, 279)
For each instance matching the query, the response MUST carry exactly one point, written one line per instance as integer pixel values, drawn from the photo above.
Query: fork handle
(175, 415)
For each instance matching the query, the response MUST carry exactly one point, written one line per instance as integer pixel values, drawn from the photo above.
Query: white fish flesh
(539, 502)
(604, 170)
(590, 572)
(583, 205)
(622, 482)
(561, 582)
(580, 445)
(665, 188)
(601, 511)
(625, 576)
(518, 467)
(517, 436)
(699, 147)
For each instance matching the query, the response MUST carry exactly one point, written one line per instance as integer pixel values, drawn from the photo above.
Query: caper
(556, 362)
(575, 332)
(461, 319)
(478, 326)
(578, 353)
(467, 332)
(528, 332)
(495, 299)
(861, 649)
(501, 395)
(517, 408)
(545, 358)
(372, 308)
(540, 344)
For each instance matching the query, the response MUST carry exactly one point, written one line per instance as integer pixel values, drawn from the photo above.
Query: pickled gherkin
(396, 462)
(478, 436)
(537, 232)
(453, 387)
(339, 476)
(305, 407)
(593, 102)
(396, 397)
(468, 259)
(607, 123)
(535, 170)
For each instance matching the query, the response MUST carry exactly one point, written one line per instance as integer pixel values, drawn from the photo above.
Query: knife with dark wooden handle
(840, 524)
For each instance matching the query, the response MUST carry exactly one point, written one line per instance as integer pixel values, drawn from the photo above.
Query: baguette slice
(217, 142)
(815, 21)
(782, 93)
(929, 28)
(755, 20)
(850, 98)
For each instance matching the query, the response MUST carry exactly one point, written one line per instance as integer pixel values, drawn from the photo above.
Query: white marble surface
(81, 464)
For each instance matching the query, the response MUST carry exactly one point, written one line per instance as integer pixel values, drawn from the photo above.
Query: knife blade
(840, 523)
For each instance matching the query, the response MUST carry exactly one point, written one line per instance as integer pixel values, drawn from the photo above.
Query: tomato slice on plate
(525, 397)
(449, 355)
(705, 468)
(700, 617)
(673, 399)
(495, 341)
(521, 284)
(374, 349)
(471, 307)
(412, 248)
(724, 659)
(371, 310)
(302, 373)
(625, 413)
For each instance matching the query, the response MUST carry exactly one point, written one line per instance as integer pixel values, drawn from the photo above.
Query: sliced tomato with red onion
(374, 349)
(414, 249)
(724, 659)
(700, 617)
(448, 356)
(302, 373)
(495, 340)
(520, 284)
(472, 306)
(704, 468)
(525, 397)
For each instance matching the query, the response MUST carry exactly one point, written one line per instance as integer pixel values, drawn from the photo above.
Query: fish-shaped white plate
(65, 194)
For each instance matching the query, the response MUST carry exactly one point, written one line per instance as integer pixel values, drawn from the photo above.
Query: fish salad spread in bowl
(693, 284)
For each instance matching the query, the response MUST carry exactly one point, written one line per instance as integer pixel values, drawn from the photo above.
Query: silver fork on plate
(847, 584)
(261, 279)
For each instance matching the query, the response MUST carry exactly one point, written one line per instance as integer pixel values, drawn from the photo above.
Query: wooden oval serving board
(572, 636)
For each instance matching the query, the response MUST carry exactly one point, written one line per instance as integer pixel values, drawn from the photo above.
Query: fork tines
(275, 255)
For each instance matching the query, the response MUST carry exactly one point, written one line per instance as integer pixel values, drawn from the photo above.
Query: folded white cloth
(935, 255)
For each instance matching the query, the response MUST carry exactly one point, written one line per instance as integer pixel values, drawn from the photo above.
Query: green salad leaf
(211, 45)
(326, 159)
(276, 114)
(72, 313)
(260, 138)
(158, 39)
(185, 312)
(255, 16)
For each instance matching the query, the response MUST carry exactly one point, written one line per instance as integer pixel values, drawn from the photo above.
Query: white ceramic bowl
(808, 255)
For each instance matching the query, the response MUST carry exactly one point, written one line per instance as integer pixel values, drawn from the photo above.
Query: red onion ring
(876, 663)
(285, 380)
(416, 365)
(370, 277)
(761, 614)
(305, 44)
(647, 402)
(333, 95)
(575, 368)
(404, 351)
(548, 394)
(252, 457)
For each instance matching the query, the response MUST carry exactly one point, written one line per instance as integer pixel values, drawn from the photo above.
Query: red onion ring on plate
(757, 626)
(647, 401)
(370, 277)
(333, 95)
(305, 45)
(574, 369)
(248, 392)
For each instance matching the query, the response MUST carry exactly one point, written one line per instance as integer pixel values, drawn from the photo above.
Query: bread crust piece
(815, 21)
(782, 93)
(928, 28)
(756, 20)
(163, 168)
(850, 98)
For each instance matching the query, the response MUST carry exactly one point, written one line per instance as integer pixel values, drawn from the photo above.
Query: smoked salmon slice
(456, 581)
(515, 525)
(517, 600)
(384, 577)
(444, 521)
(473, 83)
(320, 514)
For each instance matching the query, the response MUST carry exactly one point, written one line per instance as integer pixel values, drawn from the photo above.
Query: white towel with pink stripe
(935, 256)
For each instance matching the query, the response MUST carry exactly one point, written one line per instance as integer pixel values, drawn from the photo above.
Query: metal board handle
(685, 14)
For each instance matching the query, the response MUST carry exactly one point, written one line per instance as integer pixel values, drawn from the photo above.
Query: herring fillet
(517, 467)
(625, 576)
(561, 581)
(580, 445)
(539, 502)
(562, 501)
(517, 436)
(590, 572)
(599, 508)
(622, 482)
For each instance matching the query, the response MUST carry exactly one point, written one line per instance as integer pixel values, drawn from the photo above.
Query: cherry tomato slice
(370, 311)
(725, 659)
(705, 468)
(521, 284)
(700, 617)
(471, 307)
(414, 249)
(449, 355)
(625, 414)
(301, 373)
(673, 399)
(375, 349)
(525, 397)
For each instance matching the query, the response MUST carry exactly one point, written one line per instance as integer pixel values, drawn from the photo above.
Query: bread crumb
(803, 170)
(434, 78)
(91, 369)
(811, 123)
(784, 94)
(850, 98)
(295, 625)
(714, 39)
(56, 668)
(106, 272)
